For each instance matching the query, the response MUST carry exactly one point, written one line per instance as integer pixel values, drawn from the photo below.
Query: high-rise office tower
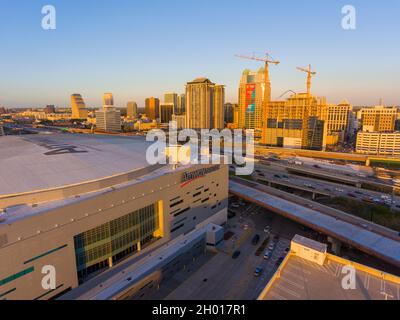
(78, 107)
(153, 108)
(378, 119)
(219, 101)
(228, 112)
(251, 95)
(202, 105)
(109, 118)
(172, 98)
(131, 109)
(339, 118)
(166, 112)
(108, 99)
(181, 109)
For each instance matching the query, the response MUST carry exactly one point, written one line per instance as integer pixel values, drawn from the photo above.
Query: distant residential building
(378, 119)
(131, 109)
(166, 112)
(50, 109)
(152, 108)
(3, 110)
(204, 101)
(78, 107)
(1, 130)
(378, 143)
(109, 118)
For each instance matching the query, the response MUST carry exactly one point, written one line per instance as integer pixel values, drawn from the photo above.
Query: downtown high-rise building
(109, 118)
(108, 99)
(251, 95)
(166, 112)
(219, 102)
(78, 107)
(131, 109)
(181, 109)
(204, 104)
(152, 108)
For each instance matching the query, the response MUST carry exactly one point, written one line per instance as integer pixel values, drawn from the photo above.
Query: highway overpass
(353, 157)
(386, 248)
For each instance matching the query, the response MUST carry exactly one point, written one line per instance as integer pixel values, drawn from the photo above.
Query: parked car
(258, 272)
(267, 229)
(267, 255)
(236, 254)
(271, 246)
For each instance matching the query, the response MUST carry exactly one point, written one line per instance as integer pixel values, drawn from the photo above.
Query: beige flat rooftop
(301, 279)
(36, 162)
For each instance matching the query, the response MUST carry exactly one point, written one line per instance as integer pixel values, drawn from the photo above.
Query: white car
(267, 229)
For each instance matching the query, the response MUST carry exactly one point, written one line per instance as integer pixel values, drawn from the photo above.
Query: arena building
(85, 203)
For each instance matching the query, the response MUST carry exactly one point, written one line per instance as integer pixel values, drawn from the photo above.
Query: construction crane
(310, 74)
(267, 82)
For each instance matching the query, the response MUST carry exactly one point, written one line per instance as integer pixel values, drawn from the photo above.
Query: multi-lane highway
(278, 175)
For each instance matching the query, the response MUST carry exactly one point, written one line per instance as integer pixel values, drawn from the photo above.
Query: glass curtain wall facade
(111, 242)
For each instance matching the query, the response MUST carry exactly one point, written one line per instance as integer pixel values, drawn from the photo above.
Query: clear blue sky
(137, 48)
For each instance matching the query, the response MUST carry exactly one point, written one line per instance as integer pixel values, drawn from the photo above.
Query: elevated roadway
(367, 237)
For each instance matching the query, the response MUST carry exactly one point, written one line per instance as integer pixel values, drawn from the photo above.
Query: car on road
(258, 272)
(339, 190)
(235, 205)
(256, 240)
(271, 246)
(236, 254)
(352, 195)
(267, 229)
(277, 176)
(267, 255)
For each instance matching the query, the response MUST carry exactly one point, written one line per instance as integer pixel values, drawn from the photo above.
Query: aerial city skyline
(191, 152)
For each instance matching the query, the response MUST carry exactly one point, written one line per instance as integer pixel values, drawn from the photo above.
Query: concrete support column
(110, 262)
(139, 246)
(314, 195)
(336, 246)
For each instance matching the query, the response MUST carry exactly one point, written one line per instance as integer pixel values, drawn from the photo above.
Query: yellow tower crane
(267, 84)
(310, 74)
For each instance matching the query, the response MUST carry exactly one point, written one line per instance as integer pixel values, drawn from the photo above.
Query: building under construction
(298, 122)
